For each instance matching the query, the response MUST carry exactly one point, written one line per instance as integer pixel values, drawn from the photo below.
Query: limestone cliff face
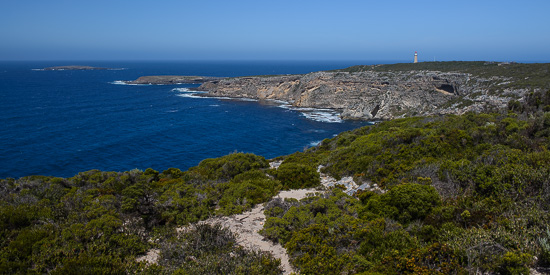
(370, 95)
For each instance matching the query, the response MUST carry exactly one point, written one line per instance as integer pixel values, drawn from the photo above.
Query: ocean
(60, 123)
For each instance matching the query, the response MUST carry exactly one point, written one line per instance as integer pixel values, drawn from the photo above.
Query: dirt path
(247, 225)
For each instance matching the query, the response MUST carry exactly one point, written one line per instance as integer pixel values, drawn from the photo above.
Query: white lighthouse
(415, 57)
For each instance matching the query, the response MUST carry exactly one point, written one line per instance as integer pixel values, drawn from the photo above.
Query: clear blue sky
(292, 30)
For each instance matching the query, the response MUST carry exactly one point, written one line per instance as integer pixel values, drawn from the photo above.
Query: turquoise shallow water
(59, 123)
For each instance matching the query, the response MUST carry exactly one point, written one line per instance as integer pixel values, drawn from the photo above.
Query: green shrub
(434, 259)
(244, 194)
(406, 202)
(380, 238)
(87, 263)
(227, 167)
(173, 173)
(317, 251)
(515, 263)
(183, 203)
(296, 176)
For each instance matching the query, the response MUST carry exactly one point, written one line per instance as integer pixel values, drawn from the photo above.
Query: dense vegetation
(100, 222)
(458, 194)
(463, 193)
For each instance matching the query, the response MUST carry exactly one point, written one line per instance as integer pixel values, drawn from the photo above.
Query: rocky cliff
(373, 95)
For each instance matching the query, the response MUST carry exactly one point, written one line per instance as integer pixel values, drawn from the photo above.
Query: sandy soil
(151, 257)
(247, 225)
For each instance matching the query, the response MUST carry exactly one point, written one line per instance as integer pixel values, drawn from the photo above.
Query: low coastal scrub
(460, 194)
(455, 195)
(100, 222)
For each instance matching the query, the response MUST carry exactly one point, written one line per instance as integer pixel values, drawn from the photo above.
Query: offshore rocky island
(74, 68)
(457, 181)
(383, 92)
(172, 79)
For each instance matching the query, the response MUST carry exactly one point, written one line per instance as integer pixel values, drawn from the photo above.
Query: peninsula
(384, 92)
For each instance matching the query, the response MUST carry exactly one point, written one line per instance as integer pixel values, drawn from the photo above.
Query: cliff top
(522, 75)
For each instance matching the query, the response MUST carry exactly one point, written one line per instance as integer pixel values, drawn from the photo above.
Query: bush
(296, 176)
(244, 194)
(173, 173)
(317, 251)
(515, 263)
(406, 202)
(434, 259)
(227, 167)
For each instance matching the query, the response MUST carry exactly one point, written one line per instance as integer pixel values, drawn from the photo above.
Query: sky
(503, 30)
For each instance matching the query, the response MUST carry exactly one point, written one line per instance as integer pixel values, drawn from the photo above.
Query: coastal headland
(384, 92)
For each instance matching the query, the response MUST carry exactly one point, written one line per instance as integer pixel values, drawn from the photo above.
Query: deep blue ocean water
(59, 123)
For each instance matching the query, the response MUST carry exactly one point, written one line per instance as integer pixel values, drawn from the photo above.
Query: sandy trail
(247, 225)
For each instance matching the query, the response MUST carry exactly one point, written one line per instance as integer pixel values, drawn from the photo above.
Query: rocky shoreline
(365, 95)
(372, 95)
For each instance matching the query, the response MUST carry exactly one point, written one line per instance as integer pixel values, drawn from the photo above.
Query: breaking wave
(122, 82)
(185, 92)
(315, 143)
(321, 115)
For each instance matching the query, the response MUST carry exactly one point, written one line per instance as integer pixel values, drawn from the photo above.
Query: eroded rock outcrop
(371, 95)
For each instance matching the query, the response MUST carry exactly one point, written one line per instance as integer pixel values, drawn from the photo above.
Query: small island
(172, 79)
(73, 68)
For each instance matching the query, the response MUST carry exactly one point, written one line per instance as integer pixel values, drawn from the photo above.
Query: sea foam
(182, 90)
(321, 115)
(122, 82)
(315, 143)
(185, 92)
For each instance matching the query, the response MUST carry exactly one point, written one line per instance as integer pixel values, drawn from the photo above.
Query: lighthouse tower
(415, 57)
